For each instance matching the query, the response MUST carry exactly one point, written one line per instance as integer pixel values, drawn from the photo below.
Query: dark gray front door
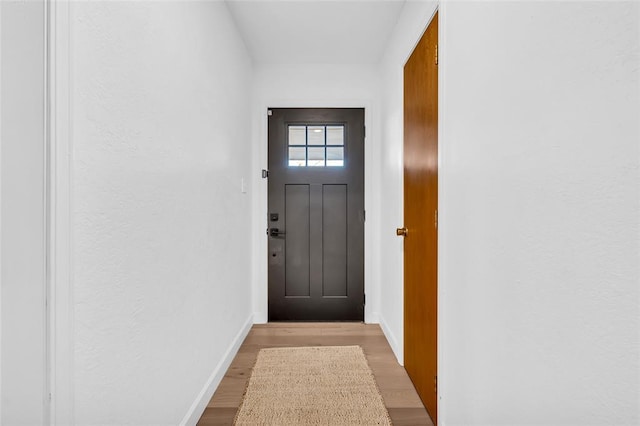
(316, 214)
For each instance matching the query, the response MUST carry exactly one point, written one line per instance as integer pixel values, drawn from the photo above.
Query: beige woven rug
(329, 385)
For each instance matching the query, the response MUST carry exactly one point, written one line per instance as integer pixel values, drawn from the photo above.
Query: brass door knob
(402, 232)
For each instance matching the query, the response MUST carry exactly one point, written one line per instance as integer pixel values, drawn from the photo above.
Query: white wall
(22, 212)
(161, 250)
(411, 24)
(539, 213)
(313, 85)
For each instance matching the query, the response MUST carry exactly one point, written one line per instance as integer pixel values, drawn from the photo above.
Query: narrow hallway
(134, 206)
(400, 397)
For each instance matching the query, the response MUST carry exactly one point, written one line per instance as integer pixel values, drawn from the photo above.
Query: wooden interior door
(421, 217)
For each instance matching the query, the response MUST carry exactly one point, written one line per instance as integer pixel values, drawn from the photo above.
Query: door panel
(420, 216)
(297, 240)
(316, 203)
(334, 240)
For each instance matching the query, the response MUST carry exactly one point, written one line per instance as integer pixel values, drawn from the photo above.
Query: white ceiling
(316, 31)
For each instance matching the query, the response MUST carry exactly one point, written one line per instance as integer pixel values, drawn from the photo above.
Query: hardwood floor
(400, 397)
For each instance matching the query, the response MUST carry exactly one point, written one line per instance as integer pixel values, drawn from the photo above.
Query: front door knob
(402, 232)
(274, 232)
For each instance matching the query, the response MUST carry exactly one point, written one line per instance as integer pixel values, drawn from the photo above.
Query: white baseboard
(393, 342)
(200, 404)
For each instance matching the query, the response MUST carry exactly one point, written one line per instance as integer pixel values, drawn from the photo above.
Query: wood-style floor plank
(398, 393)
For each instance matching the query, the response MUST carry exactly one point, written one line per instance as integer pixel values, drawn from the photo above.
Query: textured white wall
(161, 96)
(356, 86)
(411, 24)
(539, 209)
(23, 290)
(539, 223)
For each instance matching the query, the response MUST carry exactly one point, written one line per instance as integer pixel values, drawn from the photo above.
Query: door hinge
(364, 131)
(265, 173)
(364, 215)
(364, 299)
(435, 384)
(436, 54)
(435, 218)
(269, 112)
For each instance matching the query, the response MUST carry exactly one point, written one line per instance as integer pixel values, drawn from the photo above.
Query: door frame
(260, 199)
(443, 174)
(350, 308)
(437, 10)
(441, 8)
(59, 212)
(61, 262)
